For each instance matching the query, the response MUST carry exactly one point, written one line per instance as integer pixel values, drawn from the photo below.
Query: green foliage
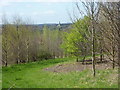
(76, 38)
(44, 55)
(21, 43)
(51, 43)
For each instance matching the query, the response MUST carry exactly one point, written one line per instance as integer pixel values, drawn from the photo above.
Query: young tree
(111, 12)
(5, 40)
(91, 9)
(5, 44)
(75, 41)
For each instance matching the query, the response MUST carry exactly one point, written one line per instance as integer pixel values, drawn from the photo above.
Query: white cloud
(35, 13)
(28, 6)
(53, 0)
(21, 14)
(37, 0)
(49, 12)
(8, 2)
(4, 3)
(1, 14)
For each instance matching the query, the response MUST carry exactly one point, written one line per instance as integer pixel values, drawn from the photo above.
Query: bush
(45, 55)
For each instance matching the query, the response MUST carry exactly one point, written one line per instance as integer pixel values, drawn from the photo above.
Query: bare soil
(77, 66)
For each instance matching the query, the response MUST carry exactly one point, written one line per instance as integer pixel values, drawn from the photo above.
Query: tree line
(23, 42)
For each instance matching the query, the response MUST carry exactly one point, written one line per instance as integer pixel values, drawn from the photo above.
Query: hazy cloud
(4, 3)
(48, 12)
(21, 14)
(8, 2)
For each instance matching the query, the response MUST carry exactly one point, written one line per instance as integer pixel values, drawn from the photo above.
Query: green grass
(0, 77)
(32, 75)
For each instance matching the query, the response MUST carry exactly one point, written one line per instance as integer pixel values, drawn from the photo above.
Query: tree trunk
(84, 59)
(113, 54)
(6, 64)
(101, 55)
(119, 53)
(18, 48)
(93, 63)
(17, 61)
(101, 50)
(28, 50)
(6, 44)
(93, 47)
(6, 59)
(77, 59)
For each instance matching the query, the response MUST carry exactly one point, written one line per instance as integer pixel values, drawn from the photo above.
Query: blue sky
(39, 12)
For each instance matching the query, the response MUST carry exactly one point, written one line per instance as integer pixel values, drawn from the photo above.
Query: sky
(39, 11)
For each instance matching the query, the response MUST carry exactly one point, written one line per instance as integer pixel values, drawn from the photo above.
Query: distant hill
(63, 26)
(54, 26)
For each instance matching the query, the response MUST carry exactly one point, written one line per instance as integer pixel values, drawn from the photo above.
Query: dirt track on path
(77, 66)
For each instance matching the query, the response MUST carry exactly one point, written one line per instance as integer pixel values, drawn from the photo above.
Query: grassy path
(32, 75)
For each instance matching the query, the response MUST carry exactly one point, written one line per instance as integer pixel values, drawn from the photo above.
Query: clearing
(59, 73)
(77, 66)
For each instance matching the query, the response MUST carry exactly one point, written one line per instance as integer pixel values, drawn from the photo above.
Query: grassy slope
(0, 60)
(0, 77)
(31, 75)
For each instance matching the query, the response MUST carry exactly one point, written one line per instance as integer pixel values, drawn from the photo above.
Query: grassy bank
(32, 75)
